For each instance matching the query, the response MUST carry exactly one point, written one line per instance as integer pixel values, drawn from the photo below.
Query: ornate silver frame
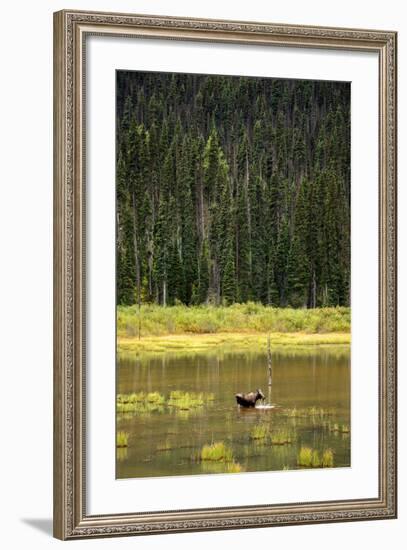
(70, 518)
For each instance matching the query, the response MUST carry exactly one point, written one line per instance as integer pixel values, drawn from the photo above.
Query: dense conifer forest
(232, 189)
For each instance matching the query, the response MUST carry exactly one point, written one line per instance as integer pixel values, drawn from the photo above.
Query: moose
(249, 399)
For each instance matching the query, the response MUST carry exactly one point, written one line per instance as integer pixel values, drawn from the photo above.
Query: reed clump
(281, 437)
(311, 458)
(185, 401)
(122, 439)
(259, 432)
(217, 452)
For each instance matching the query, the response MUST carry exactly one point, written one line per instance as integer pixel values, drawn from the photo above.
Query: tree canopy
(232, 189)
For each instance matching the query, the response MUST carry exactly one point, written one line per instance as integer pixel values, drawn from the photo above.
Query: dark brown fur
(249, 399)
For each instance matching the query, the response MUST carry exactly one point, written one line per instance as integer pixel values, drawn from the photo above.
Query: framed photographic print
(225, 274)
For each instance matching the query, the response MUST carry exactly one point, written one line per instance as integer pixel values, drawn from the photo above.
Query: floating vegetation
(122, 439)
(310, 458)
(261, 431)
(156, 398)
(144, 403)
(217, 452)
(282, 437)
(185, 401)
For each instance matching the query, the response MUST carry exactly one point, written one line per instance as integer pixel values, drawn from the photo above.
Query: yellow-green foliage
(260, 431)
(305, 457)
(122, 439)
(250, 317)
(185, 401)
(218, 452)
(281, 437)
(156, 398)
(140, 403)
(315, 460)
(311, 458)
(327, 459)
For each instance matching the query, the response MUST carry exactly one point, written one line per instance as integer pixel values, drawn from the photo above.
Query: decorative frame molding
(70, 31)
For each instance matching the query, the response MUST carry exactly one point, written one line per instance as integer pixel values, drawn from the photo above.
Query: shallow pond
(310, 395)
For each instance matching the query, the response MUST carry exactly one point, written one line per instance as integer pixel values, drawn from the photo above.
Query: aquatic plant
(327, 458)
(282, 437)
(186, 400)
(311, 458)
(315, 459)
(122, 439)
(218, 452)
(260, 431)
(155, 397)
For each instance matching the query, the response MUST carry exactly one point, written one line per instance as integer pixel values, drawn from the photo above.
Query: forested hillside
(232, 189)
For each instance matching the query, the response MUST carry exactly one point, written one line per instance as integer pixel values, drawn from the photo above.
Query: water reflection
(311, 394)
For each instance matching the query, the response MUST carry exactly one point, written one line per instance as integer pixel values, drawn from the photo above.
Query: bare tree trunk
(137, 262)
(165, 292)
(269, 364)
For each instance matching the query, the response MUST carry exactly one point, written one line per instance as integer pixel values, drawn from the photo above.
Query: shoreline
(196, 343)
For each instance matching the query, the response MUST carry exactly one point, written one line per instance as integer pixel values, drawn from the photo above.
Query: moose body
(249, 399)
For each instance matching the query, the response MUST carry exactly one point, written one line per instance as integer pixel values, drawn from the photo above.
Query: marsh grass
(282, 437)
(217, 452)
(305, 457)
(249, 317)
(259, 432)
(311, 458)
(122, 439)
(327, 459)
(185, 401)
(145, 403)
(156, 398)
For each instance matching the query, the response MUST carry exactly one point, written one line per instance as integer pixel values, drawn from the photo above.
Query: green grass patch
(122, 439)
(249, 318)
(181, 344)
(145, 403)
(327, 459)
(311, 458)
(282, 437)
(260, 431)
(217, 452)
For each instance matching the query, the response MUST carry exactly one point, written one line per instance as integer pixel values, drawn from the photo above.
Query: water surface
(168, 442)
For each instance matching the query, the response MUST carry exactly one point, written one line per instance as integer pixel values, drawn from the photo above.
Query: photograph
(233, 274)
